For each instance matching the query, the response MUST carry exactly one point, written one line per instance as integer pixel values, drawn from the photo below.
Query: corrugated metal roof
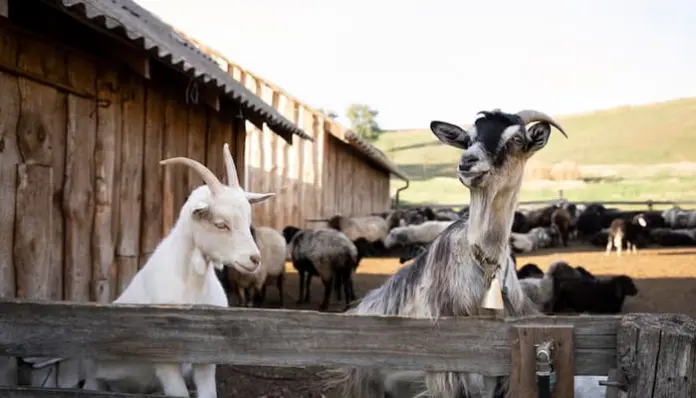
(373, 153)
(160, 39)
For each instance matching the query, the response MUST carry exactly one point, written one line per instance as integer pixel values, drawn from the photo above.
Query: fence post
(656, 353)
(523, 382)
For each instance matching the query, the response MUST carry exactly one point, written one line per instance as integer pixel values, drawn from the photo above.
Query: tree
(362, 120)
(330, 114)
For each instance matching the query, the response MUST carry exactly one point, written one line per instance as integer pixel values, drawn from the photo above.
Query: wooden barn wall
(311, 179)
(85, 200)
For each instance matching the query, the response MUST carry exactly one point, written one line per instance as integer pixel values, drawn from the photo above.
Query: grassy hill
(638, 137)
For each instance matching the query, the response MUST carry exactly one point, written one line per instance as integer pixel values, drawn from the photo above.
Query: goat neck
(490, 220)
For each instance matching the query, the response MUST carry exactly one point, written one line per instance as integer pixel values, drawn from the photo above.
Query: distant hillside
(606, 145)
(650, 134)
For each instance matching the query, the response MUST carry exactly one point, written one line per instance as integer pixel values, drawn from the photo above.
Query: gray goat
(448, 279)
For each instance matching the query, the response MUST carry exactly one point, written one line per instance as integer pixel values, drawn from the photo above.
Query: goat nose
(255, 259)
(467, 162)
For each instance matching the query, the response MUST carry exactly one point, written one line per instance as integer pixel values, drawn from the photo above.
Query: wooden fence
(648, 355)
(650, 204)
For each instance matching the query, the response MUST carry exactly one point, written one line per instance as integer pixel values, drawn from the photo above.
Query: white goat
(212, 230)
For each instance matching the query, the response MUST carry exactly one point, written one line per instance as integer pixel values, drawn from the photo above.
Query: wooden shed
(93, 95)
(338, 173)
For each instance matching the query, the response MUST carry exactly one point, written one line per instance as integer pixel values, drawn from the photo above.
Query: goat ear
(450, 134)
(538, 136)
(201, 210)
(255, 198)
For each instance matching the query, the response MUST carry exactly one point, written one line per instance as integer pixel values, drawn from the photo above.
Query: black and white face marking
(492, 144)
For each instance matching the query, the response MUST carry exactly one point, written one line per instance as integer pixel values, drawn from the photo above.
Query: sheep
(324, 252)
(421, 234)
(520, 224)
(372, 228)
(594, 296)
(450, 278)
(536, 238)
(630, 231)
(563, 222)
(673, 237)
(529, 270)
(540, 217)
(212, 230)
(273, 250)
(364, 249)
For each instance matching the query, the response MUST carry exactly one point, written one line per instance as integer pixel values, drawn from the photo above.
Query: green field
(637, 146)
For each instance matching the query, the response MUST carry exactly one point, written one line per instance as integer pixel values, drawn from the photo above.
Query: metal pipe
(398, 191)
(545, 374)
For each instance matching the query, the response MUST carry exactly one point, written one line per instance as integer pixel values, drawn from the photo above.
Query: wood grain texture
(615, 375)
(130, 181)
(78, 198)
(153, 175)
(282, 337)
(30, 392)
(103, 241)
(657, 354)
(33, 228)
(9, 158)
(523, 377)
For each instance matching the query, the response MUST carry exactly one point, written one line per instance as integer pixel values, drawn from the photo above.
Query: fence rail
(273, 337)
(648, 353)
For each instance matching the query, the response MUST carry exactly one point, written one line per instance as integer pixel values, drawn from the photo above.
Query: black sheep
(593, 296)
(530, 270)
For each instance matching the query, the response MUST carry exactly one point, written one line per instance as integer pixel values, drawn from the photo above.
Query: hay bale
(536, 171)
(565, 171)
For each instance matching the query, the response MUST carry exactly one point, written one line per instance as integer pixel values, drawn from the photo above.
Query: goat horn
(529, 116)
(232, 178)
(208, 176)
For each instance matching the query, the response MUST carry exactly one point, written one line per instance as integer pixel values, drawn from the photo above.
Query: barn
(338, 173)
(94, 95)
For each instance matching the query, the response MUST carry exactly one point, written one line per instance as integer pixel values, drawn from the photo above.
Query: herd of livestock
(333, 251)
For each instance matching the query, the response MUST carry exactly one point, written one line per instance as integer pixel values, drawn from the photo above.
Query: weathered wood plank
(284, 338)
(153, 175)
(9, 158)
(78, 198)
(130, 186)
(33, 227)
(523, 378)
(41, 141)
(197, 127)
(103, 241)
(657, 354)
(27, 392)
(216, 139)
(615, 376)
(32, 246)
(318, 165)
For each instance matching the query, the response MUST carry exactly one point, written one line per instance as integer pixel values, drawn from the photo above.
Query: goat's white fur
(212, 229)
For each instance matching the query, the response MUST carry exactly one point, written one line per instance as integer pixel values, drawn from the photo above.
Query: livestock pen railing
(647, 355)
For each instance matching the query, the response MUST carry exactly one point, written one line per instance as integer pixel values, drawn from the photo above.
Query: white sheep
(212, 231)
(420, 234)
(273, 252)
(372, 228)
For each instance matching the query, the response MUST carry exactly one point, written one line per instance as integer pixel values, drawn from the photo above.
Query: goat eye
(518, 140)
(221, 225)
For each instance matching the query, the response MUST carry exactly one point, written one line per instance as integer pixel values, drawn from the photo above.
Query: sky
(416, 60)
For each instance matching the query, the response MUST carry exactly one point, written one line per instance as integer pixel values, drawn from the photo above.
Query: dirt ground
(666, 281)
